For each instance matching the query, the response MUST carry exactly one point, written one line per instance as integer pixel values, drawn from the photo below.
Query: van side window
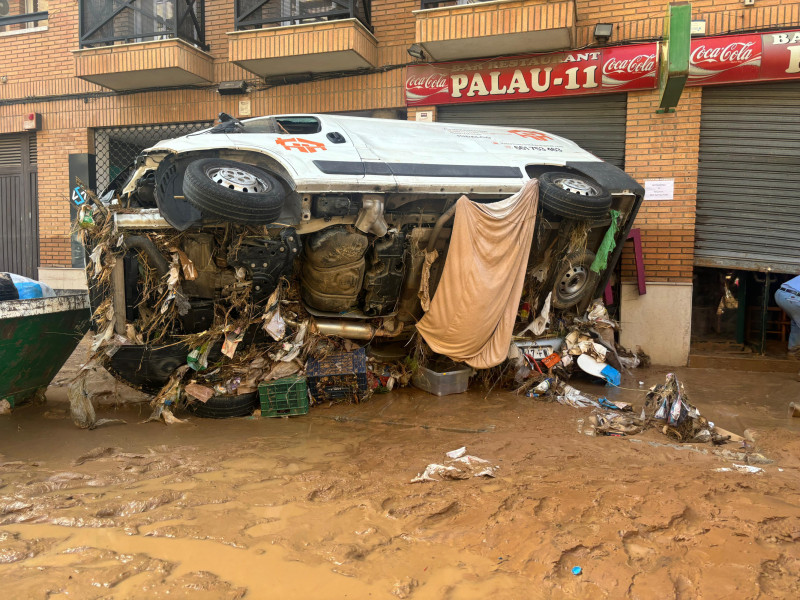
(303, 125)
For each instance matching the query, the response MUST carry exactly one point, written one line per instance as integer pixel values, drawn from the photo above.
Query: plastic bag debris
(459, 465)
(615, 423)
(80, 405)
(458, 453)
(573, 397)
(540, 324)
(232, 341)
(291, 350)
(198, 358)
(740, 469)
(187, 266)
(276, 326)
(606, 403)
(283, 369)
(5, 407)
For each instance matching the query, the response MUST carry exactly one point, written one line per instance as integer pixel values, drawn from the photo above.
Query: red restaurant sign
(714, 60)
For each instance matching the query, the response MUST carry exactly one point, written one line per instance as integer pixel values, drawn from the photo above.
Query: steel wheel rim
(573, 282)
(577, 186)
(233, 178)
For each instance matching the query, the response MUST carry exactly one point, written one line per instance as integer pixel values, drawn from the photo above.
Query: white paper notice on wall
(659, 189)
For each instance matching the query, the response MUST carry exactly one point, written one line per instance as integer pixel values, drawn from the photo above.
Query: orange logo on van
(300, 144)
(534, 135)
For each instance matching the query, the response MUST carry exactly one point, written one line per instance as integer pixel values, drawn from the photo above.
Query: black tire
(574, 280)
(210, 184)
(225, 407)
(573, 196)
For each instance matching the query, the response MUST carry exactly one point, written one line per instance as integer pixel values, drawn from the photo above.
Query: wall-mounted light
(416, 51)
(231, 88)
(603, 32)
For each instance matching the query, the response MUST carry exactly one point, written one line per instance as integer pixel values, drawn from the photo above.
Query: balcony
(284, 37)
(460, 29)
(142, 44)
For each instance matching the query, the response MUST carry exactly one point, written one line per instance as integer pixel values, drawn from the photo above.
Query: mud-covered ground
(322, 506)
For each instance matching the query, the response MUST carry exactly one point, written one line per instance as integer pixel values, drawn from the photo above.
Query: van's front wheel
(233, 191)
(573, 196)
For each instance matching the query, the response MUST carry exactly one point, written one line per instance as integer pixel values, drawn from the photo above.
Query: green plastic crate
(286, 397)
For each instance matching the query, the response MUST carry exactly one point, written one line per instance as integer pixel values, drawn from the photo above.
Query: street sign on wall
(725, 59)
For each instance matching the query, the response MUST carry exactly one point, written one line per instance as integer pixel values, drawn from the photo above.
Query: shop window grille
(117, 147)
(109, 22)
(255, 14)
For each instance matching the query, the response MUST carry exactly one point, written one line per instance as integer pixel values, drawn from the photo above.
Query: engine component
(333, 269)
(145, 190)
(199, 318)
(334, 206)
(370, 217)
(199, 247)
(266, 260)
(385, 275)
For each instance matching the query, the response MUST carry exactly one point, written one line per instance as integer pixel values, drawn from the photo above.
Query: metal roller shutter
(19, 221)
(748, 191)
(596, 123)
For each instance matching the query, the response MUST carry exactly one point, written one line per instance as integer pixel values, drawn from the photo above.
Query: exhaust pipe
(139, 242)
(355, 330)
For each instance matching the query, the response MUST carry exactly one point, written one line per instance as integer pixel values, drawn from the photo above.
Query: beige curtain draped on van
(472, 315)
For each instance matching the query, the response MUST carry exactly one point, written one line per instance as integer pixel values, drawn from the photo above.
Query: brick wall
(41, 64)
(664, 146)
(54, 147)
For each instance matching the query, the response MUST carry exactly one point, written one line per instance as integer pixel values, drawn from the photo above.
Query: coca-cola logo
(735, 52)
(427, 83)
(643, 63)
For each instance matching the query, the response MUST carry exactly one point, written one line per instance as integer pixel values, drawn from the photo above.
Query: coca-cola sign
(594, 71)
(743, 58)
(714, 60)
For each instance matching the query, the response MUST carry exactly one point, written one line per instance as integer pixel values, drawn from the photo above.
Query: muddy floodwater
(322, 506)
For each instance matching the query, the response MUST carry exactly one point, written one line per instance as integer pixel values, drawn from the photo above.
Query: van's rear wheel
(574, 280)
(573, 196)
(233, 191)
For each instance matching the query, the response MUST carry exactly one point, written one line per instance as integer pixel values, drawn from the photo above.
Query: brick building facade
(81, 84)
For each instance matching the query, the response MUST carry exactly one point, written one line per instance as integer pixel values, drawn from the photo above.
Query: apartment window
(254, 14)
(22, 15)
(108, 22)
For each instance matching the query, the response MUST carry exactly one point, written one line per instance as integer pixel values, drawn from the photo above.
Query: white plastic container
(442, 383)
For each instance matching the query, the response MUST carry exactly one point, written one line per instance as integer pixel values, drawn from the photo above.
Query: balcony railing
(423, 4)
(108, 22)
(256, 14)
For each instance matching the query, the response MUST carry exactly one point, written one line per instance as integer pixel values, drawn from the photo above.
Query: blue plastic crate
(338, 377)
